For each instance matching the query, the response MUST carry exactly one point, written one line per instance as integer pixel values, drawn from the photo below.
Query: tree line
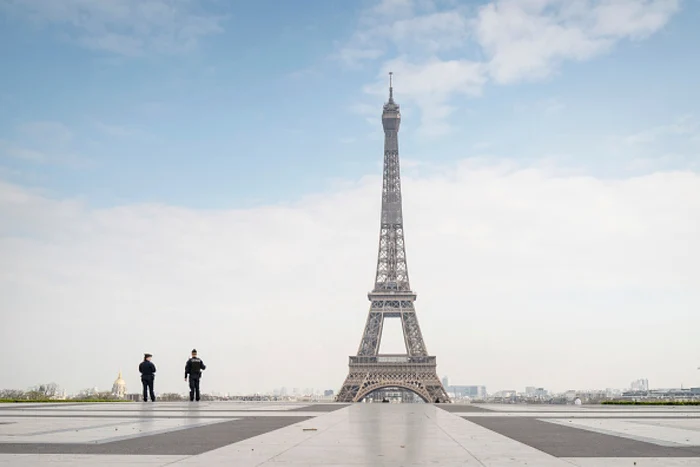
(52, 392)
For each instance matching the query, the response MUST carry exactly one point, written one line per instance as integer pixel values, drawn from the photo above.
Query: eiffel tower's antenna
(391, 86)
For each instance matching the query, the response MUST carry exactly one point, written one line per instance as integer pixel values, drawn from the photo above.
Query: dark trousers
(194, 387)
(147, 382)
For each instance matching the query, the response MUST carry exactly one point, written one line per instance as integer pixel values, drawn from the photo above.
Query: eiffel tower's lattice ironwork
(392, 297)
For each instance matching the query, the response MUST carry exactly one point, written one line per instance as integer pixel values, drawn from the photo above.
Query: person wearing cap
(193, 368)
(148, 376)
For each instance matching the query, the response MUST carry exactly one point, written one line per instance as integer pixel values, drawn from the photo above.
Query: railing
(393, 360)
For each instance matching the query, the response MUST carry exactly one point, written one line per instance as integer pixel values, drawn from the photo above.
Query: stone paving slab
(626, 462)
(182, 442)
(562, 440)
(464, 408)
(260, 434)
(319, 408)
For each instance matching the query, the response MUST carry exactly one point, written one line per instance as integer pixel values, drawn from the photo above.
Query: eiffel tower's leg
(412, 334)
(351, 386)
(372, 337)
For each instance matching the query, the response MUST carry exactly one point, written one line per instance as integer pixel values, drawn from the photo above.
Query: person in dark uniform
(193, 368)
(148, 376)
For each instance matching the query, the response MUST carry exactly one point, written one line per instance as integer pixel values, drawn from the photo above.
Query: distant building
(532, 391)
(473, 392)
(328, 392)
(640, 385)
(119, 387)
(445, 382)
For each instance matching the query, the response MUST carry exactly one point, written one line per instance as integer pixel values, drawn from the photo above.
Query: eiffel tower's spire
(391, 108)
(391, 87)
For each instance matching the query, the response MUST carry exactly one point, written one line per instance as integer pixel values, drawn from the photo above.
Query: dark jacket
(194, 367)
(147, 369)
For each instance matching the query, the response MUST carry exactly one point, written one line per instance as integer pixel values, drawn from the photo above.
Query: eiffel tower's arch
(415, 389)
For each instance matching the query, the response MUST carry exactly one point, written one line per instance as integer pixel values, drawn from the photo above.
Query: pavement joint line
(455, 440)
(64, 430)
(317, 433)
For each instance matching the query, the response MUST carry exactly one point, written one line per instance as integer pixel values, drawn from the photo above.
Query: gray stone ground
(251, 434)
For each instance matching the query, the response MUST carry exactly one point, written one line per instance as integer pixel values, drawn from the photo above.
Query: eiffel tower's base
(416, 374)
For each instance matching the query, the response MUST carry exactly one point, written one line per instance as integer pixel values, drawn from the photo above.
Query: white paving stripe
(576, 414)
(641, 430)
(632, 461)
(103, 433)
(150, 407)
(105, 460)
(4, 417)
(609, 409)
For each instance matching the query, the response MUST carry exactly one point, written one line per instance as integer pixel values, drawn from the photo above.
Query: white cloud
(43, 142)
(431, 85)
(124, 27)
(351, 56)
(55, 132)
(507, 40)
(528, 39)
(685, 126)
(11, 150)
(585, 279)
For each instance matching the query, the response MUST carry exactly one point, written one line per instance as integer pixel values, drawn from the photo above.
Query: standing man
(193, 368)
(148, 375)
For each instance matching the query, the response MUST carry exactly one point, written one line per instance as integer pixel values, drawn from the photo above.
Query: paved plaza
(279, 434)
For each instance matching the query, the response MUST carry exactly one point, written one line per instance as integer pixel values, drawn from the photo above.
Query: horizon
(180, 175)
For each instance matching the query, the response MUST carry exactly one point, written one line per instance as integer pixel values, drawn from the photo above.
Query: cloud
(431, 86)
(55, 132)
(9, 149)
(124, 27)
(685, 126)
(528, 39)
(507, 41)
(43, 142)
(118, 131)
(586, 279)
(352, 56)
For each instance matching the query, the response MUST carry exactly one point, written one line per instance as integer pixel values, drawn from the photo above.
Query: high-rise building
(640, 385)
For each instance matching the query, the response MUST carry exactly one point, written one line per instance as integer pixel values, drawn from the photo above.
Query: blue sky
(231, 105)
(211, 170)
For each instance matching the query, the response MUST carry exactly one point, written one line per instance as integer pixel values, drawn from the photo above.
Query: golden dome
(120, 381)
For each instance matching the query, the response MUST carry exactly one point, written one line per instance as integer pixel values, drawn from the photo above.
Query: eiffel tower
(392, 297)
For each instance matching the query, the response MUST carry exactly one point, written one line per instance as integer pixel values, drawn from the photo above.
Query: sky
(181, 173)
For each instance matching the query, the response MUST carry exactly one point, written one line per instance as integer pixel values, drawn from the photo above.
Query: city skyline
(174, 176)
